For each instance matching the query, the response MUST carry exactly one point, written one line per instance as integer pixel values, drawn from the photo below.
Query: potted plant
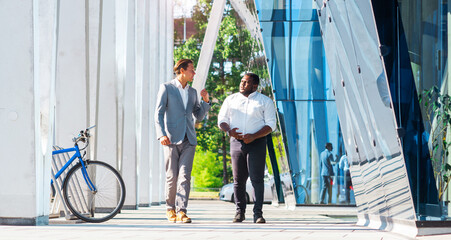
(437, 109)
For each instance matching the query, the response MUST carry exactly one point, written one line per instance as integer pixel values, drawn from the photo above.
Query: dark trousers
(248, 160)
(348, 184)
(328, 188)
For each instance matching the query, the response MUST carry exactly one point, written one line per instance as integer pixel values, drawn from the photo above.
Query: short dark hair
(328, 144)
(255, 78)
(182, 63)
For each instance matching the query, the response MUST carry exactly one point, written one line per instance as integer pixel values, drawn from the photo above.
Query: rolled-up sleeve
(224, 115)
(270, 114)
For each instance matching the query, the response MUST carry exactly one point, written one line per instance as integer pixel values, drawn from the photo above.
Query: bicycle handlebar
(83, 136)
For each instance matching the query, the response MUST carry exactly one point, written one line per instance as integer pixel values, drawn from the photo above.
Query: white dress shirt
(248, 114)
(183, 91)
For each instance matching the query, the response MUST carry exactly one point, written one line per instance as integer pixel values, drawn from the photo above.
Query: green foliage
(189, 50)
(437, 107)
(236, 46)
(207, 170)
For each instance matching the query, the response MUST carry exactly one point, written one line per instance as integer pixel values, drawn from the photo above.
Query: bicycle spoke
(101, 204)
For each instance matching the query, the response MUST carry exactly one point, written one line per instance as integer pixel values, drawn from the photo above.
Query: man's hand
(248, 138)
(165, 140)
(204, 95)
(235, 134)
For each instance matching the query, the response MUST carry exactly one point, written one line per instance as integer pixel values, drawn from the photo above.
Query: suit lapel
(177, 93)
(190, 98)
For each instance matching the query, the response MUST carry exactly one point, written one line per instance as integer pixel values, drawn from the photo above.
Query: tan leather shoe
(170, 215)
(181, 217)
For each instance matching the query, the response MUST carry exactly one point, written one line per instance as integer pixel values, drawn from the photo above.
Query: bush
(207, 170)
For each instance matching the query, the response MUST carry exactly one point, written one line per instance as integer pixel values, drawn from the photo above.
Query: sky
(183, 6)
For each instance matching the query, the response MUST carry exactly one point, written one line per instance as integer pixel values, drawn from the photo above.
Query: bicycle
(93, 191)
(301, 192)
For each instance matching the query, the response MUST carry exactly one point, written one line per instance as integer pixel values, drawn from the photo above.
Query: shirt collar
(179, 85)
(250, 95)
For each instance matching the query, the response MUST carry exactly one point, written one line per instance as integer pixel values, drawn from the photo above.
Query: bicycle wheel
(99, 205)
(302, 195)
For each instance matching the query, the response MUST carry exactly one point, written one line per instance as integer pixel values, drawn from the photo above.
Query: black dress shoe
(239, 217)
(259, 219)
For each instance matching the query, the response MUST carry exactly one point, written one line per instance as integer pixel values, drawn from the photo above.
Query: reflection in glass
(276, 146)
(305, 101)
(370, 131)
(273, 10)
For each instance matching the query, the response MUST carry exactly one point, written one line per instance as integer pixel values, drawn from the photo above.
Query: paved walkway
(212, 219)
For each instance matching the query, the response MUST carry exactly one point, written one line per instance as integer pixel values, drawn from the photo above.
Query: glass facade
(423, 42)
(367, 63)
(304, 96)
(382, 56)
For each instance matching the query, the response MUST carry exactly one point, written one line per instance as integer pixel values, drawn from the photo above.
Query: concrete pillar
(129, 166)
(142, 167)
(107, 108)
(71, 88)
(47, 42)
(168, 56)
(146, 118)
(23, 52)
(158, 170)
(154, 78)
(93, 21)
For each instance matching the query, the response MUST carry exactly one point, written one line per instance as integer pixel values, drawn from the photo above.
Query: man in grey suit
(177, 103)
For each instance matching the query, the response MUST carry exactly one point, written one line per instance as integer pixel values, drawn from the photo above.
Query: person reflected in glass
(327, 172)
(247, 117)
(343, 164)
(177, 106)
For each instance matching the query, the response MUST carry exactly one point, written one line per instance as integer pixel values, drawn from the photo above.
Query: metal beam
(208, 46)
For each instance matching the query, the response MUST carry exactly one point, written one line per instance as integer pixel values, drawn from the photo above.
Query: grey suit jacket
(172, 119)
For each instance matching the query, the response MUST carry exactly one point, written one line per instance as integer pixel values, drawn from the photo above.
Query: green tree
(233, 55)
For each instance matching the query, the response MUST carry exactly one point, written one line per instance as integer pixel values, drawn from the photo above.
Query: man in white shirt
(247, 117)
(177, 104)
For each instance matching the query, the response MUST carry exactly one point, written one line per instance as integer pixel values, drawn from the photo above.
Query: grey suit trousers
(178, 160)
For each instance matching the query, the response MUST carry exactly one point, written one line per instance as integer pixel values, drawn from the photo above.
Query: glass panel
(414, 32)
(273, 10)
(277, 52)
(303, 10)
(277, 160)
(309, 79)
(312, 132)
(369, 126)
(424, 39)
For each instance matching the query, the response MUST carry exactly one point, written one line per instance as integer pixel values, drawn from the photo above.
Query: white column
(106, 105)
(146, 118)
(129, 166)
(47, 43)
(158, 170)
(93, 39)
(71, 108)
(142, 167)
(154, 67)
(22, 158)
(168, 58)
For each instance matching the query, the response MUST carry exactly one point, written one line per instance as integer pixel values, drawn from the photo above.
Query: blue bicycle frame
(83, 168)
